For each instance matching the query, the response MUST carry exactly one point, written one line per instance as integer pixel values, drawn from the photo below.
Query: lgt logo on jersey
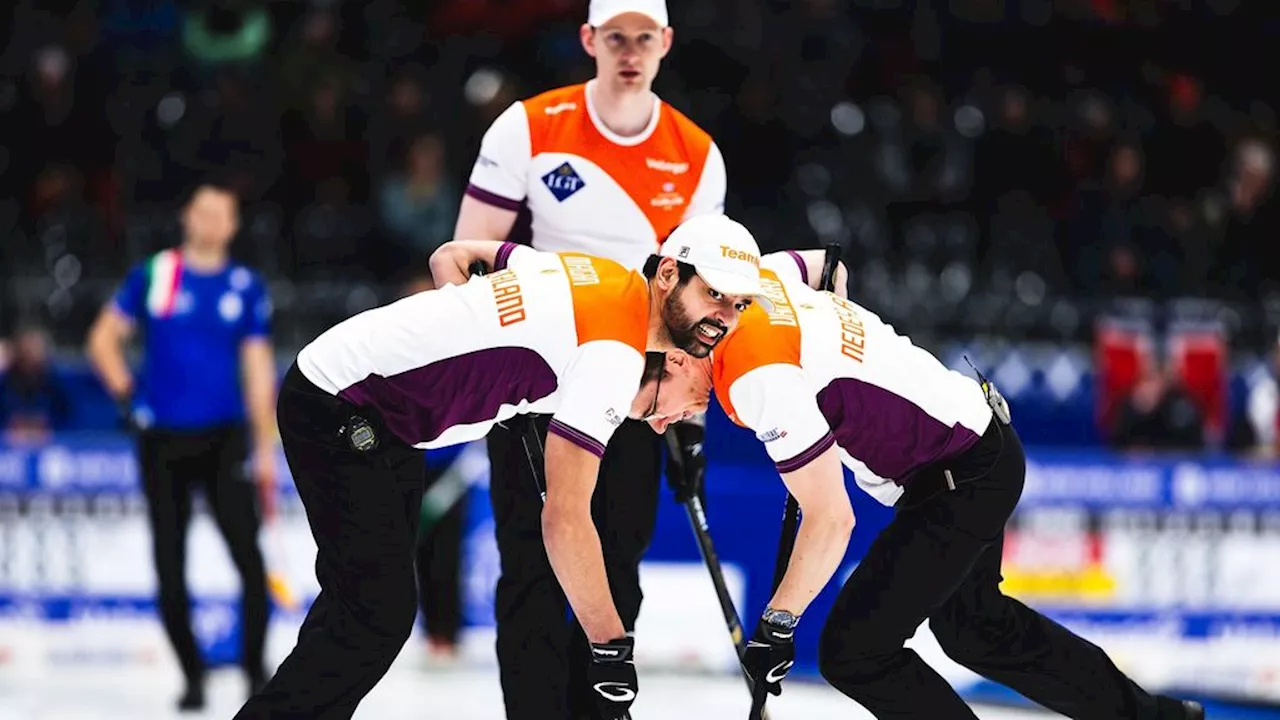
(563, 182)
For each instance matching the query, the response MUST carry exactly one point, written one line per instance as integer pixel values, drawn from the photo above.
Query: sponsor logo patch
(563, 182)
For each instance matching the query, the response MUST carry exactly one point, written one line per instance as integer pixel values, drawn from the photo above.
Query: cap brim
(602, 20)
(729, 283)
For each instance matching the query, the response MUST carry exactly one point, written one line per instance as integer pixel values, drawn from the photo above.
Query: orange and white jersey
(590, 190)
(562, 334)
(807, 369)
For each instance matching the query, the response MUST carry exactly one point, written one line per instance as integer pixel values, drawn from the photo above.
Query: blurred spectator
(925, 159)
(407, 114)
(510, 19)
(1246, 260)
(1019, 149)
(419, 205)
(326, 139)
(1187, 148)
(330, 235)
(56, 116)
(1159, 415)
(817, 45)
(310, 56)
(33, 401)
(1130, 169)
(233, 129)
(1100, 229)
(67, 226)
(1023, 247)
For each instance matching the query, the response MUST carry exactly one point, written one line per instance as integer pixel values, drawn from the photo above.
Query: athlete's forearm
(105, 350)
(478, 220)
(107, 358)
(258, 368)
(824, 532)
(573, 547)
(820, 546)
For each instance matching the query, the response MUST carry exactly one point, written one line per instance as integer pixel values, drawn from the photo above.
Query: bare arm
(450, 262)
(481, 228)
(500, 176)
(258, 373)
(258, 370)
(478, 220)
(824, 533)
(105, 350)
(573, 545)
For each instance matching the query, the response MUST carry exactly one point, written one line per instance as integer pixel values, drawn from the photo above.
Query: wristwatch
(781, 618)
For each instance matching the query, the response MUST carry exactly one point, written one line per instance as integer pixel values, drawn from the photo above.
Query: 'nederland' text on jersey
(803, 376)
(551, 333)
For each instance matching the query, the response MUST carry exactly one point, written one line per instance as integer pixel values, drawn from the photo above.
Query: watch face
(781, 618)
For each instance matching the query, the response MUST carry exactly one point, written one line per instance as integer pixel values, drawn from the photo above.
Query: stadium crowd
(1006, 168)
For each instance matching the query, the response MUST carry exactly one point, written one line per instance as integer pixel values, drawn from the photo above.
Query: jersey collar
(613, 137)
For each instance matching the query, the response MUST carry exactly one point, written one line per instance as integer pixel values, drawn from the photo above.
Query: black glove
(685, 470)
(612, 677)
(770, 654)
(128, 415)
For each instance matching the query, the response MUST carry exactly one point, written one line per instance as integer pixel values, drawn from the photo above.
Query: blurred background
(1077, 195)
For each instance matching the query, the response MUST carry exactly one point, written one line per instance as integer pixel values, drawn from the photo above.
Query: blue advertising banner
(1155, 558)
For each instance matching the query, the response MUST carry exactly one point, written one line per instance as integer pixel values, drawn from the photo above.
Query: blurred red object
(1184, 92)
(1123, 354)
(1199, 355)
(1106, 9)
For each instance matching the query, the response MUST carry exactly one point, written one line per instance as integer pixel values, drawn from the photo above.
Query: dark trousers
(439, 563)
(363, 511)
(940, 559)
(542, 653)
(173, 464)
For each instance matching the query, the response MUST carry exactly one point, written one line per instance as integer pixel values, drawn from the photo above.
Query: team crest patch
(230, 307)
(563, 182)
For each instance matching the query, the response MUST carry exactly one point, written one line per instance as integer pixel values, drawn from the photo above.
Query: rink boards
(1172, 565)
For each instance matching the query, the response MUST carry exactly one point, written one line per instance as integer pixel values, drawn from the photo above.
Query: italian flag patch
(164, 277)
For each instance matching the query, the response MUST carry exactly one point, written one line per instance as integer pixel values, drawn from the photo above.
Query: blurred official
(203, 406)
(608, 169)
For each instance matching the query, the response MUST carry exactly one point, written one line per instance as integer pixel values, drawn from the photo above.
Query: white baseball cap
(724, 253)
(602, 11)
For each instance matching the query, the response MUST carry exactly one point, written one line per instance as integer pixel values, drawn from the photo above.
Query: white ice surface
(410, 691)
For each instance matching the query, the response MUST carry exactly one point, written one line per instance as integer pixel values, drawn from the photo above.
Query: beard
(685, 332)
